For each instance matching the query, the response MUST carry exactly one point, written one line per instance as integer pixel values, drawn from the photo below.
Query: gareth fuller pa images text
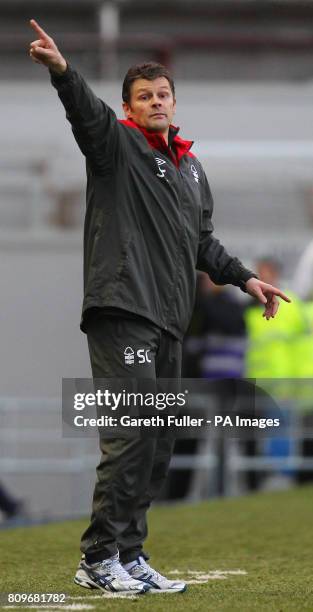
(160, 401)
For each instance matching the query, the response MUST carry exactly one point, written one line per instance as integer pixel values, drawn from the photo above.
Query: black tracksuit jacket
(148, 217)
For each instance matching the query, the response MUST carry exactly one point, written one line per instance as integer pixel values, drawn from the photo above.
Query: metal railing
(56, 474)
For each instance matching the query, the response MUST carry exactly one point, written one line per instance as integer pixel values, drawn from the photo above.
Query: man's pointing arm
(94, 124)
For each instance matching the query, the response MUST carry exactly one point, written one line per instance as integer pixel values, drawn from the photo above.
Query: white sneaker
(155, 581)
(108, 575)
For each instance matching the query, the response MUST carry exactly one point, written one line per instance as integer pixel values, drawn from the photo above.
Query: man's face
(151, 105)
(267, 273)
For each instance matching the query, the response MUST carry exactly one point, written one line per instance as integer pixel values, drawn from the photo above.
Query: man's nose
(156, 101)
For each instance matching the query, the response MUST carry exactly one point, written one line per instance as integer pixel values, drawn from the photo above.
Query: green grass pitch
(269, 537)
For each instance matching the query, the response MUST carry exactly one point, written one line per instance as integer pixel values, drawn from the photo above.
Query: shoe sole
(172, 591)
(84, 584)
(93, 585)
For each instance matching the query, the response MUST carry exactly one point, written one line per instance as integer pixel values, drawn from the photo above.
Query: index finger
(38, 29)
(281, 294)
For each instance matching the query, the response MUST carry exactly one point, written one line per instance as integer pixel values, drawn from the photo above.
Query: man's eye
(143, 97)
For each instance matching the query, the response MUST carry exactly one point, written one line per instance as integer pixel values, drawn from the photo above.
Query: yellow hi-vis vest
(282, 349)
(271, 343)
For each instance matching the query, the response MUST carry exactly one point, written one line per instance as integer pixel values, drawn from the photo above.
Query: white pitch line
(85, 597)
(205, 580)
(200, 577)
(107, 595)
(221, 572)
(119, 596)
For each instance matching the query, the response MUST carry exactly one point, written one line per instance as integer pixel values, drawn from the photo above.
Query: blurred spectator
(304, 280)
(215, 344)
(271, 344)
(275, 351)
(9, 506)
(214, 349)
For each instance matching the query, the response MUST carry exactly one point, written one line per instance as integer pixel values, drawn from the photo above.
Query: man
(147, 228)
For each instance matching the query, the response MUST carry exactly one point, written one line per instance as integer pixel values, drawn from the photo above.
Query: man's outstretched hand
(267, 295)
(44, 50)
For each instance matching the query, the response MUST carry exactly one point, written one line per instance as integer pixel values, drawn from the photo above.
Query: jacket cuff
(244, 277)
(58, 79)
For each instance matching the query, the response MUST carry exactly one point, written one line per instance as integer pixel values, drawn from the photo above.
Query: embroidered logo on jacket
(160, 163)
(195, 173)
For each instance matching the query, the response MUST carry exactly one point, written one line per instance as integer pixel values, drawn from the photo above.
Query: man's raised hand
(44, 50)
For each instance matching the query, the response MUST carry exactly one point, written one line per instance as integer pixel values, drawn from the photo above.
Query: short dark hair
(147, 70)
(271, 261)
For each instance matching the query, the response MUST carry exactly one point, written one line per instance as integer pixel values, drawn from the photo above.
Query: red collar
(179, 147)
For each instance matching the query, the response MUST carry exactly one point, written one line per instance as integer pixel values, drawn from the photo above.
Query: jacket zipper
(179, 245)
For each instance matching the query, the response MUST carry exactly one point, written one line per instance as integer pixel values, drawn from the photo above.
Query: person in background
(275, 358)
(214, 350)
(270, 351)
(303, 281)
(215, 342)
(10, 506)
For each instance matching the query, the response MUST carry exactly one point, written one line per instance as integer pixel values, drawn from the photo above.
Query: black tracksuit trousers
(132, 470)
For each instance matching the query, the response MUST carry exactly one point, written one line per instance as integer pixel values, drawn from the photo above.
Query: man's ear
(127, 110)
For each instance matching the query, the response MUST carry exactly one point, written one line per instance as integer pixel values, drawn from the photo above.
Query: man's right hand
(44, 51)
